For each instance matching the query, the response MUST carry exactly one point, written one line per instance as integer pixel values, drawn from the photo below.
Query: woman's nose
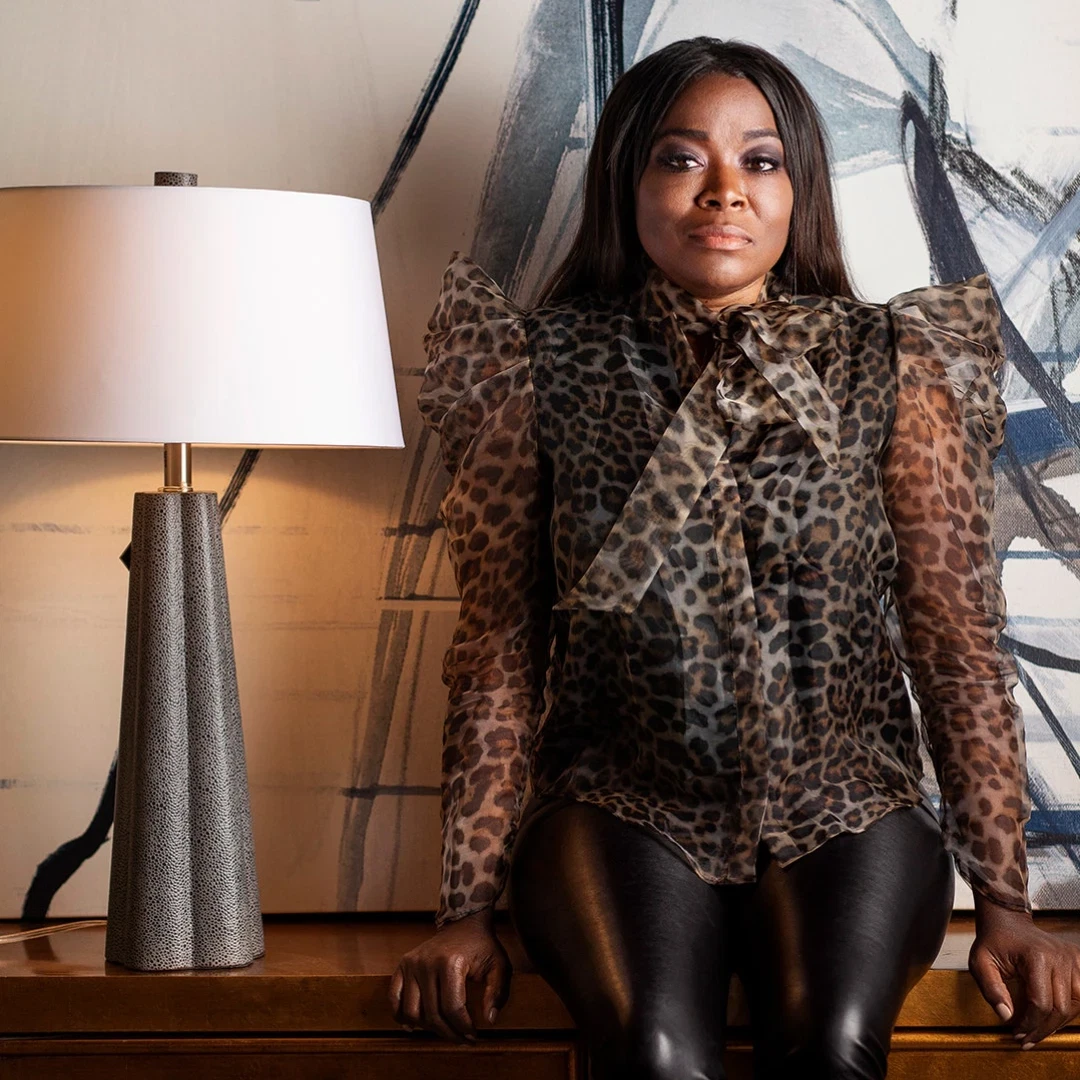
(723, 187)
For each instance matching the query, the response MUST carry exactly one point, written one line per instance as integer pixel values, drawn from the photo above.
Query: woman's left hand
(1045, 968)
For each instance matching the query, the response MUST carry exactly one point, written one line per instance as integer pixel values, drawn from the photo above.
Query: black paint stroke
(403, 563)
(937, 102)
(425, 106)
(1050, 716)
(407, 528)
(1041, 556)
(607, 47)
(248, 460)
(538, 119)
(952, 251)
(1026, 202)
(1044, 658)
(1062, 737)
(1047, 826)
(374, 790)
(395, 631)
(1045, 511)
(410, 716)
(1055, 316)
(955, 257)
(56, 869)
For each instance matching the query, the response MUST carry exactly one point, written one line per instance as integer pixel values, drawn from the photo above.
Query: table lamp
(175, 315)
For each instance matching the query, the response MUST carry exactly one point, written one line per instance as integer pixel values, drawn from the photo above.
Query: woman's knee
(845, 1046)
(631, 939)
(650, 1048)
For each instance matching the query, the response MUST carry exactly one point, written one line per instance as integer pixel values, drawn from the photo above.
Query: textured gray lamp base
(183, 892)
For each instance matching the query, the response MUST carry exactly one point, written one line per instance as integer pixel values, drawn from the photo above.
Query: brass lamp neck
(177, 467)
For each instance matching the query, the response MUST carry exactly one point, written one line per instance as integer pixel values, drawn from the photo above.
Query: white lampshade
(218, 316)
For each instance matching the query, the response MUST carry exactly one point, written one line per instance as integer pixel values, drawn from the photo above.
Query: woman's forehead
(720, 103)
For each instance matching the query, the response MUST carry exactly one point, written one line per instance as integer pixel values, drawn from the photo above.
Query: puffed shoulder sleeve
(477, 352)
(478, 395)
(938, 481)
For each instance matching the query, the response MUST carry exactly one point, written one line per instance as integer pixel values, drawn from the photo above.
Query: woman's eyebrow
(686, 133)
(703, 136)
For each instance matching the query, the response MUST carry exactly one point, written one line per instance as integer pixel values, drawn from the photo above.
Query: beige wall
(307, 95)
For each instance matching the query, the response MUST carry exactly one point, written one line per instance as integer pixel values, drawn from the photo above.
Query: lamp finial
(176, 179)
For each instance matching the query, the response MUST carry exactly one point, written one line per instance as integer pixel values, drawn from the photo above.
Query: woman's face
(714, 202)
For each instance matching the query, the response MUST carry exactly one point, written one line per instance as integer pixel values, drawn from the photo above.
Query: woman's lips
(720, 238)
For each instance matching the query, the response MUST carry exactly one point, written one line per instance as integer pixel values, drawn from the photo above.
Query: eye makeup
(677, 160)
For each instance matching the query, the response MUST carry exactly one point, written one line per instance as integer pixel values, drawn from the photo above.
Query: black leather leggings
(640, 949)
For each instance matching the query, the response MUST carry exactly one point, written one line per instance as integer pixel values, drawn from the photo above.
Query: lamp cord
(44, 931)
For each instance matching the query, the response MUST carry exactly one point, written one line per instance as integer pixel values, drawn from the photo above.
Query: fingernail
(1003, 1010)
(491, 1016)
(1027, 1046)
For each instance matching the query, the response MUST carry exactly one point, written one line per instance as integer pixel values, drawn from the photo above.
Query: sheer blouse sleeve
(478, 395)
(939, 497)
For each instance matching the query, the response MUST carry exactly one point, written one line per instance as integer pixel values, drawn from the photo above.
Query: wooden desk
(316, 1006)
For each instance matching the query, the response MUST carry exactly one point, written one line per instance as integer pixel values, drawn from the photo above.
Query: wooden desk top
(332, 975)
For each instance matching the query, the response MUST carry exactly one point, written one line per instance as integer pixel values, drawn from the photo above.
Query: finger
(433, 1020)
(397, 980)
(410, 1003)
(992, 984)
(506, 971)
(1038, 995)
(1062, 994)
(496, 991)
(1060, 987)
(452, 1004)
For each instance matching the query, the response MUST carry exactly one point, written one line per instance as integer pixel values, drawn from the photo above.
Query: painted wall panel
(470, 123)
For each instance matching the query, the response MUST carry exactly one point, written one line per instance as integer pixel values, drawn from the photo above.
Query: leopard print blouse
(690, 594)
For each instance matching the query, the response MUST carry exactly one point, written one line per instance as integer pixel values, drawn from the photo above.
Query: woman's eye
(764, 163)
(676, 160)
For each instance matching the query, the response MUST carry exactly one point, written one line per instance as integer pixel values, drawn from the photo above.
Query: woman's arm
(939, 494)
(478, 395)
(496, 512)
(939, 490)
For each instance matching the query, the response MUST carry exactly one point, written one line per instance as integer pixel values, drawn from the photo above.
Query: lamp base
(183, 891)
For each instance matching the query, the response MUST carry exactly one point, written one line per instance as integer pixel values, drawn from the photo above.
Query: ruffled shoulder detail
(954, 331)
(474, 334)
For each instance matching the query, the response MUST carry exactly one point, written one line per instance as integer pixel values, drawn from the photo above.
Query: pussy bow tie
(774, 336)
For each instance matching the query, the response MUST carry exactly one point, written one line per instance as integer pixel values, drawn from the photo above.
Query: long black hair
(606, 256)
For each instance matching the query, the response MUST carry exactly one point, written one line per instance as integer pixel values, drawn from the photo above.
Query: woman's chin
(717, 273)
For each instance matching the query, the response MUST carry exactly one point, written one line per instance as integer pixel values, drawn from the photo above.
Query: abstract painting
(956, 150)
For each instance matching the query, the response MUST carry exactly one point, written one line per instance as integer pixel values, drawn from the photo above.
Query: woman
(705, 509)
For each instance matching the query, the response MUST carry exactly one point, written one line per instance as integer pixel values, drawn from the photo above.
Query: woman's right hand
(428, 988)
